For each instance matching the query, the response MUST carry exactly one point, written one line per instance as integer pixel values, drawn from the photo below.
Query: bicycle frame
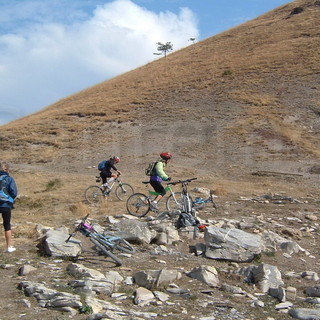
(105, 242)
(87, 230)
(110, 185)
(186, 200)
(167, 188)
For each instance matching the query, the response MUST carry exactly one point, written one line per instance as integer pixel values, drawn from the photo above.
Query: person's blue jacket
(12, 189)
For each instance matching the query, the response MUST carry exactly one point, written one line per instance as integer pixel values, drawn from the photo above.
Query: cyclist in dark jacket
(9, 185)
(158, 175)
(106, 171)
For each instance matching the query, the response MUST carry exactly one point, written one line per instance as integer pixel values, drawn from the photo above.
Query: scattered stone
(310, 275)
(80, 271)
(313, 291)
(143, 296)
(291, 293)
(206, 274)
(305, 314)
(155, 278)
(232, 289)
(257, 303)
(26, 269)
(311, 217)
(278, 293)
(284, 305)
(267, 276)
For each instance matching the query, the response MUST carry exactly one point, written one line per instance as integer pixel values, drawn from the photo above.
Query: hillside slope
(242, 101)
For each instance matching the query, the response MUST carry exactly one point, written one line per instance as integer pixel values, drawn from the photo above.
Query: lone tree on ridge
(163, 48)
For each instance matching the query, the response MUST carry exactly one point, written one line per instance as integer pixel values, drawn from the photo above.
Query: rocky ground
(295, 218)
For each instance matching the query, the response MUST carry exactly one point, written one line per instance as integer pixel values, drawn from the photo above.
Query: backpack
(101, 165)
(4, 194)
(186, 220)
(149, 169)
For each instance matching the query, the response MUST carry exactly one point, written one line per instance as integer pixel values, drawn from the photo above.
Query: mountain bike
(105, 242)
(139, 204)
(94, 194)
(183, 200)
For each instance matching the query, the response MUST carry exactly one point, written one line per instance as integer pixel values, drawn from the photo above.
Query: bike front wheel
(174, 202)
(124, 246)
(123, 191)
(106, 250)
(177, 202)
(138, 204)
(93, 194)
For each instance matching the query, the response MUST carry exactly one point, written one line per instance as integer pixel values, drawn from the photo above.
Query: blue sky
(50, 49)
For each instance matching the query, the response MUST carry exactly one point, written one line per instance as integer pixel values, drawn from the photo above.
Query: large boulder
(54, 244)
(135, 231)
(231, 244)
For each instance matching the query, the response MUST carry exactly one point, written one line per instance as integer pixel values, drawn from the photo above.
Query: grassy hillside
(241, 101)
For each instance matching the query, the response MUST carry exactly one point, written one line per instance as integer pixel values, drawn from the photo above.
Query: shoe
(11, 249)
(154, 205)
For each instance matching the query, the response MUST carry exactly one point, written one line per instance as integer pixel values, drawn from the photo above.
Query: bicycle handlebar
(174, 182)
(78, 226)
(182, 181)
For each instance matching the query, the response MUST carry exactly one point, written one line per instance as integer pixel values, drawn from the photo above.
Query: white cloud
(44, 58)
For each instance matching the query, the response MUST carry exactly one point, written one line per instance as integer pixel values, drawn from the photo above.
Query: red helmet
(166, 155)
(116, 159)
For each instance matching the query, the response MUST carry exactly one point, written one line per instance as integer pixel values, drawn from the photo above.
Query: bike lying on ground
(139, 204)
(105, 242)
(94, 194)
(200, 202)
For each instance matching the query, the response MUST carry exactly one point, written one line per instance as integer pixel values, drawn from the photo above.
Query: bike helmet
(165, 155)
(116, 159)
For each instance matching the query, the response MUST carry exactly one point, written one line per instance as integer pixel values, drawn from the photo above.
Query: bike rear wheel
(123, 191)
(93, 194)
(198, 203)
(106, 250)
(138, 204)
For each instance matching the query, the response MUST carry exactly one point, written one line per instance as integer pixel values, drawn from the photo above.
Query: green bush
(53, 184)
(227, 72)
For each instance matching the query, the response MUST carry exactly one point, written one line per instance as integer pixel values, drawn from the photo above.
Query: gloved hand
(169, 179)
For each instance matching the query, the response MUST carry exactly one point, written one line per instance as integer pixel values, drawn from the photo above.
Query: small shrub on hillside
(53, 185)
(258, 259)
(227, 72)
(79, 209)
(219, 191)
(30, 203)
(270, 253)
(86, 309)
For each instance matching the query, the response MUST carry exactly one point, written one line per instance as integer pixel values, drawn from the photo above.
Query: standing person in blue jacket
(157, 176)
(9, 187)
